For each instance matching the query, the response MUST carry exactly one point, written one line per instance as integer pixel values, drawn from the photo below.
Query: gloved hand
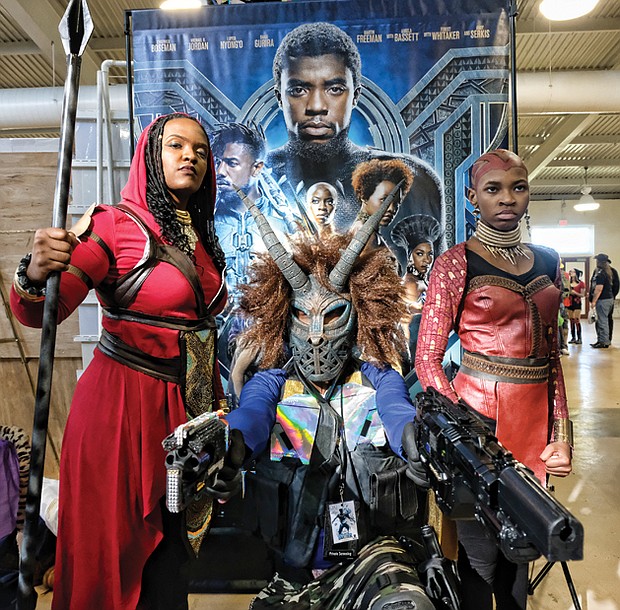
(228, 480)
(415, 469)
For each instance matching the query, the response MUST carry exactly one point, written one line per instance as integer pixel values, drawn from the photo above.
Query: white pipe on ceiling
(596, 91)
(588, 92)
(41, 107)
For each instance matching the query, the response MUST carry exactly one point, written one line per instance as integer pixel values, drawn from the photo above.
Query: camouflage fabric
(382, 577)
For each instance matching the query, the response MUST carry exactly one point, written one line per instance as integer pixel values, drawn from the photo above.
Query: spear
(75, 30)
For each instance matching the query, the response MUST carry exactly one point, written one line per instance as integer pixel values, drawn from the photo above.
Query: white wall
(606, 221)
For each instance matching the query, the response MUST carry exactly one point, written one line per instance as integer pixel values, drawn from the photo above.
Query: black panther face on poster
(299, 94)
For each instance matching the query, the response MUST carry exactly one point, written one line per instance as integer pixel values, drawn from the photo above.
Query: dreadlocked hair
(161, 205)
(375, 288)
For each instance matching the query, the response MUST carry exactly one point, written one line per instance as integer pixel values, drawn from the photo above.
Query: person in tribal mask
(328, 423)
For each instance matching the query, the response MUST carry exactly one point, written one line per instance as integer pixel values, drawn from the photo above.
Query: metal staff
(75, 30)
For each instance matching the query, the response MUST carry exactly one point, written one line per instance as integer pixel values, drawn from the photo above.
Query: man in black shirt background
(602, 299)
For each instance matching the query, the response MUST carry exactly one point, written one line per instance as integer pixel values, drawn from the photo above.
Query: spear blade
(75, 29)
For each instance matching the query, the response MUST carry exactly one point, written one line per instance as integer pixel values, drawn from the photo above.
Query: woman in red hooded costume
(157, 268)
(501, 297)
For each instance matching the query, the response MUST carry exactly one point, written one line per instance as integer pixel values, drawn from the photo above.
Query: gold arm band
(33, 298)
(78, 273)
(563, 431)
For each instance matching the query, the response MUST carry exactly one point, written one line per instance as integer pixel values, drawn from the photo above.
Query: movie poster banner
(314, 107)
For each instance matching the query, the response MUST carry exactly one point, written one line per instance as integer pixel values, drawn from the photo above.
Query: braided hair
(414, 230)
(161, 205)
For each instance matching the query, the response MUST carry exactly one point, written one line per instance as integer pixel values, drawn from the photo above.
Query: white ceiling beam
(19, 48)
(578, 141)
(568, 91)
(116, 43)
(562, 135)
(585, 162)
(30, 48)
(574, 182)
(541, 25)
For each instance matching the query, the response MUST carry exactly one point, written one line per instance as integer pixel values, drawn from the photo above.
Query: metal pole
(513, 75)
(99, 197)
(75, 30)
(104, 115)
(128, 55)
(107, 114)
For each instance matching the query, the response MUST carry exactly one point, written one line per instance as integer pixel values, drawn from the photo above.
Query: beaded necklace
(185, 220)
(506, 244)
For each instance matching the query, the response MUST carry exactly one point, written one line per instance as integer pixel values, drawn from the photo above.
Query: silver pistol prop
(196, 452)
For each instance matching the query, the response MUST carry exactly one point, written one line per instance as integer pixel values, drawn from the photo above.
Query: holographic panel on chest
(297, 419)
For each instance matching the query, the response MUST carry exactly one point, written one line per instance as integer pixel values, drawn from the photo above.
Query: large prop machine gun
(474, 476)
(196, 452)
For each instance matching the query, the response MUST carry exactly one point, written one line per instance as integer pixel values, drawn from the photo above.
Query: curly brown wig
(375, 289)
(369, 174)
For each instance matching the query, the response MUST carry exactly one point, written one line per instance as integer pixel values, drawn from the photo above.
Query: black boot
(572, 332)
(578, 333)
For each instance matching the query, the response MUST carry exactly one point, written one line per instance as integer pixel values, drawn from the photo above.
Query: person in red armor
(156, 265)
(502, 298)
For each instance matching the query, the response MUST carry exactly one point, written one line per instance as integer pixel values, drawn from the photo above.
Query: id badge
(341, 530)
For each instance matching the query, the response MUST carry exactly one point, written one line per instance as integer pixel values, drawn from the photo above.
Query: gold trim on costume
(184, 217)
(293, 387)
(80, 275)
(444, 527)
(530, 289)
(506, 244)
(537, 370)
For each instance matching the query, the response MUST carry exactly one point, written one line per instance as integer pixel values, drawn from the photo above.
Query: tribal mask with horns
(323, 318)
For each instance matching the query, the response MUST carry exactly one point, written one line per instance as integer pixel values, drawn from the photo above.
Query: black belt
(129, 315)
(167, 369)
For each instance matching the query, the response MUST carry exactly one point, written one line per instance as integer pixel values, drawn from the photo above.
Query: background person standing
(602, 299)
(577, 292)
(615, 288)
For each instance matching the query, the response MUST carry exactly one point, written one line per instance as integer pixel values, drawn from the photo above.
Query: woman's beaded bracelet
(22, 284)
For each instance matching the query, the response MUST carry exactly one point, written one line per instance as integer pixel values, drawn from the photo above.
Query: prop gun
(474, 476)
(196, 452)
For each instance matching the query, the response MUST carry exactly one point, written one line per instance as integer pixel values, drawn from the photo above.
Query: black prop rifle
(75, 30)
(475, 477)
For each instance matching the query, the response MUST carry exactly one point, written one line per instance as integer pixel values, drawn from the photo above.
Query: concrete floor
(591, 493)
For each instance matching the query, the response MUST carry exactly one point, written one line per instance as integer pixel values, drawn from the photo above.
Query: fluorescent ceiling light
(176, 5)
(586, 202)
(563, 10)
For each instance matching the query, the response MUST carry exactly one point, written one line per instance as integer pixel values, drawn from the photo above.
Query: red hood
(134, 192)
